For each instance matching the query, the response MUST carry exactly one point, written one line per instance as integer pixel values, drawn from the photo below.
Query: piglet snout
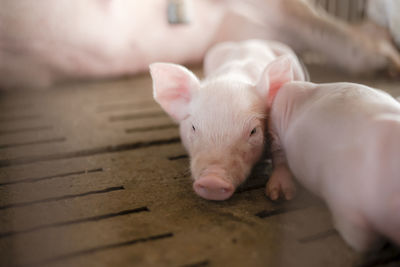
(213, 187)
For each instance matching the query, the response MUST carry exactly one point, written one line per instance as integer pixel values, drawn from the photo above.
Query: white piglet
(342, 142)
(222, 118)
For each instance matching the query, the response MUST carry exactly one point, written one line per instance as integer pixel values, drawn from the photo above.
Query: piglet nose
(213, 187)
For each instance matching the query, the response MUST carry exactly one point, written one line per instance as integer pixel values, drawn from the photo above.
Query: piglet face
(221, 126)
(224, 135)
(221, 121)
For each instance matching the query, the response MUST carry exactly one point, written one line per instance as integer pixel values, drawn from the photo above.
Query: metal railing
(350, 10)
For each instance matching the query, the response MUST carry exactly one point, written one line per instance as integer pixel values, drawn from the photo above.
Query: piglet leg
(281, 184)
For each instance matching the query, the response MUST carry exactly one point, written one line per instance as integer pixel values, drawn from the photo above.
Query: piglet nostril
(213, 187)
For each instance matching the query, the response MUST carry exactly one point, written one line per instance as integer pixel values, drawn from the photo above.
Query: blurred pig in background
(48, 42)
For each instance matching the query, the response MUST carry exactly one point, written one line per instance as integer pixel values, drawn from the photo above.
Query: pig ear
(173, 86)
(275, 75)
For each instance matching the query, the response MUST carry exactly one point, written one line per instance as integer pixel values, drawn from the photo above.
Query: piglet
(342, 142)
(222, 118)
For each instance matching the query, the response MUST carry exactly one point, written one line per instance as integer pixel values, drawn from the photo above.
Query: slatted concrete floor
(94, 175)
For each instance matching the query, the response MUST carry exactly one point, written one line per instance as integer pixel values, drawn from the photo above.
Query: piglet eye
(193, 128)
(253, 131)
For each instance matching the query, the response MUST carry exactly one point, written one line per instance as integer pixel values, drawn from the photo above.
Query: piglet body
(222, 118)
(342, 142)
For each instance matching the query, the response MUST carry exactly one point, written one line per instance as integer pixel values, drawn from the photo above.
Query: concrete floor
(95, 175)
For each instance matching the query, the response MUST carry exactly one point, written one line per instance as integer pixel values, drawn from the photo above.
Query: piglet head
(222, 124)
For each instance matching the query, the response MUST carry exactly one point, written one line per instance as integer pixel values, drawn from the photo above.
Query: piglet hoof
(212, 187)
(277, 192)
(281, 185)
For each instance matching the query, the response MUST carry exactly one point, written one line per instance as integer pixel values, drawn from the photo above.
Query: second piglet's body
(341, 141)
(222, 118)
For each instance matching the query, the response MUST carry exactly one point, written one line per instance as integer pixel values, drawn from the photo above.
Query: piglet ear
(275, 75)
(173, 86)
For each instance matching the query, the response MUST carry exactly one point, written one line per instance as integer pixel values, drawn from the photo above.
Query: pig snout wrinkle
(213, 187)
